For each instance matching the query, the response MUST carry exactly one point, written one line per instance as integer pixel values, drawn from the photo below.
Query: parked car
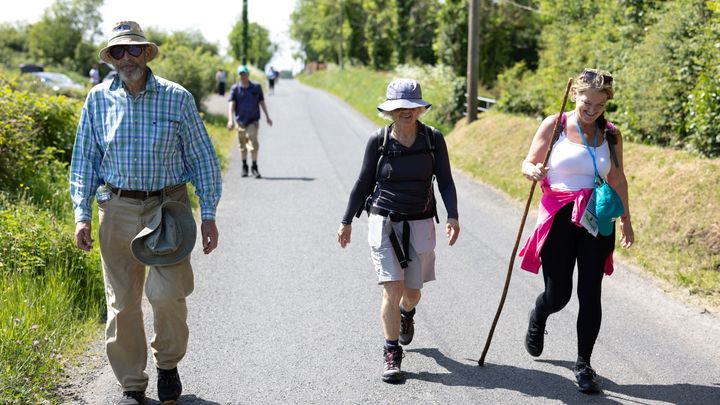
(57, 81)
(30, 67)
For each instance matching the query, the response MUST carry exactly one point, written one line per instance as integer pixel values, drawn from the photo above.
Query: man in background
(246, 99)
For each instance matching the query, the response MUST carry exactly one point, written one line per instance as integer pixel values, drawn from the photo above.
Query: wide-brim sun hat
(403, 93)
(169, 236)
(127, 33)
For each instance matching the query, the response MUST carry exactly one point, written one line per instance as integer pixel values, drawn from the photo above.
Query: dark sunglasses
(589, 76)
(117, 52)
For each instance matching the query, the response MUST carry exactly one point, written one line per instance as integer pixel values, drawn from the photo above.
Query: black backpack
(381, 138)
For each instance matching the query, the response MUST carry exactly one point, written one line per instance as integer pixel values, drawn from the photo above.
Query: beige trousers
(166, 288)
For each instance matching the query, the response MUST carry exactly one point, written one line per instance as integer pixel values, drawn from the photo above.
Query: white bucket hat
(168, 238)
(127, 33)
(403, 93)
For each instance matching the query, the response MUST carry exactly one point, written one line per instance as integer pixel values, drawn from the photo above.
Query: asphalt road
(282, 315)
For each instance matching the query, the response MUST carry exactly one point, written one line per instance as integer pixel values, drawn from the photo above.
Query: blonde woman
(588, 145)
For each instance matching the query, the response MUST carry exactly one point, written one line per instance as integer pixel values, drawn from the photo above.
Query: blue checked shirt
(146, 143)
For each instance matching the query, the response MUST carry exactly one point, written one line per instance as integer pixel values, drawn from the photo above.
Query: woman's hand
(452, 229)
(534, 171)
(627, 235)
(343, 234)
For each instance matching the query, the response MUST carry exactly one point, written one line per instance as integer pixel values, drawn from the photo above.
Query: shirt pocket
(165, 134)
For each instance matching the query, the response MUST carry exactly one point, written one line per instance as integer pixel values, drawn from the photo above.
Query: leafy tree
(508, 34)
(703, 107)
(416, 26)
(451, 40)
(403, 29)
(192, 68)
(380, 33)
(315, 26)
(13, 37)
(354, 41)
(260, 49)
(66, 26)
(192, 39)
(13, 44)
(53, 39)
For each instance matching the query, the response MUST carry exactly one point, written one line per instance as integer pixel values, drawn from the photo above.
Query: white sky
(214, 18)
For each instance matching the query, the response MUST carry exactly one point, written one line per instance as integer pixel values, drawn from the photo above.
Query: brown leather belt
(140, 194)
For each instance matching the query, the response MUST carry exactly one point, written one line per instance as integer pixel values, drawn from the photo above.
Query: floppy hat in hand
(168, 238)
(127, 33)
(403, 93)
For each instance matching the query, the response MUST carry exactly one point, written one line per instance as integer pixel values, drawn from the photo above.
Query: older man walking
(139, 141)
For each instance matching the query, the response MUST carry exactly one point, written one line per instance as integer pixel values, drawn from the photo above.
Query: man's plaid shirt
(146, 143)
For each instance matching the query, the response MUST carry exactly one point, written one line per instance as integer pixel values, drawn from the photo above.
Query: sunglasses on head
(118, 51)
(590, 76)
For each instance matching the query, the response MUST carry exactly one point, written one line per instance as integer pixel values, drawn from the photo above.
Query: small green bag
(607, 203)
(608, 206)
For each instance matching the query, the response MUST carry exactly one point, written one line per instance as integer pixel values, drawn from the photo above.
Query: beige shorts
(421, 267)
(248, 137)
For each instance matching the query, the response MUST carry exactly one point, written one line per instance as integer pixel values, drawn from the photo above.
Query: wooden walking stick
(481, 362)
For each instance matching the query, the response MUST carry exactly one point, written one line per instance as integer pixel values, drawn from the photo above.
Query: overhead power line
(514, 4)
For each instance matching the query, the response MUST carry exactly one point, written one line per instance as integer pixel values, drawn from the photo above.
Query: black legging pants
(566, 244)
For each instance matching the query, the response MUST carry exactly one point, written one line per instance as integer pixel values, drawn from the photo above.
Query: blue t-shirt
(247, 103)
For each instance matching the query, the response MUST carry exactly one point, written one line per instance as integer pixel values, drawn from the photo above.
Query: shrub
(192, 69)
(36, 138)
(442, 88)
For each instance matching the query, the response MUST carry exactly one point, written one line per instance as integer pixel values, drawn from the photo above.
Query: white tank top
(571, 167)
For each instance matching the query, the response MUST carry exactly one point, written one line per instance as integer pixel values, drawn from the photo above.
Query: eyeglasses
(118, 51)
(590, 76)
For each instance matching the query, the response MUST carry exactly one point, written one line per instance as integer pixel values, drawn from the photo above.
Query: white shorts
(421, 267)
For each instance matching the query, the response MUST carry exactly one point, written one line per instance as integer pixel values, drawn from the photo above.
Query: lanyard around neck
(592, 155)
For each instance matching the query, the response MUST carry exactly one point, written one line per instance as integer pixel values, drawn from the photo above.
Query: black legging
(566, 244)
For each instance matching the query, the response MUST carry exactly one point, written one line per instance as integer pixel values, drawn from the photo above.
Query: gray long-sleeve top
(404, 183)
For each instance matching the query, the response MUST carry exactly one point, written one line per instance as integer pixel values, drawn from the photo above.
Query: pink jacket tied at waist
(550, 203)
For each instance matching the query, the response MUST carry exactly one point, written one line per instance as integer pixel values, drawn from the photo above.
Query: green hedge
(663, 55)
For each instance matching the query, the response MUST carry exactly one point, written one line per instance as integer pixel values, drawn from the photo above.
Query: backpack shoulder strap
(430, 134)
(382, 139)
(610, 127)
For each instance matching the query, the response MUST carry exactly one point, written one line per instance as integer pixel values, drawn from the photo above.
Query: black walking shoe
(255, 172)
(132, 398)
(245, 170)
(393, 358)
(535, 337)
(407, 329)
(169, 386)
(587, 379)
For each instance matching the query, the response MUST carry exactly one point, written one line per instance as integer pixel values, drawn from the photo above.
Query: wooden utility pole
(472, 64)
(245, 36)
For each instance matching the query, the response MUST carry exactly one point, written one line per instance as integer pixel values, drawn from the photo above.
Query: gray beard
(131, 77)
